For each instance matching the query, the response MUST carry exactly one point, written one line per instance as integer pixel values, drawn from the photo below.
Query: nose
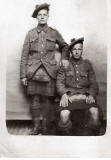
(42, 16)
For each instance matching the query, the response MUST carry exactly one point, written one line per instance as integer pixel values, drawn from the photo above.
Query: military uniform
(78, 81)
(39, 52)
(77, 78)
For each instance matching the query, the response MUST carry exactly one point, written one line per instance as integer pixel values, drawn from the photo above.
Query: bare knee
(64, 115)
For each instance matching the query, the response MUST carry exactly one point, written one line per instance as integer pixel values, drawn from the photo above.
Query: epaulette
(51, 28)
(87, 61)
(33, 29)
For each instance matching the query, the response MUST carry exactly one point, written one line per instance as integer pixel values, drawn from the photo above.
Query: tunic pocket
(29, 63)
(68, 74)
(50, 44)
(84, 79)
(83, 75)
(69, 78)
(34, 44)
(53, 62)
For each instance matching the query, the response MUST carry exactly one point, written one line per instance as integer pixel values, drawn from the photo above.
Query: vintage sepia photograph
(57, 69)
(55, 81)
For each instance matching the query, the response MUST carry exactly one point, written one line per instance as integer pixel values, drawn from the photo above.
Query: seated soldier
(78, 89)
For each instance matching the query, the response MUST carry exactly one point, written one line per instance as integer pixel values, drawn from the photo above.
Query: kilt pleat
(41, 88)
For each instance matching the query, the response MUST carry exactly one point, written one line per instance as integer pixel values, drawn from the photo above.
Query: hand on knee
(65, 116)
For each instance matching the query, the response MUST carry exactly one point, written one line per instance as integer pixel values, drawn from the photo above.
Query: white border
(53, 146)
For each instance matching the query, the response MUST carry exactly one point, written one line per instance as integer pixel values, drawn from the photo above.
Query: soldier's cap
(75, 41)
(39, 7)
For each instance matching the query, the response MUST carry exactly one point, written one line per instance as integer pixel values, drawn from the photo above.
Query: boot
(94, 129)
(44, 127)
(65, 129)
(36, 126)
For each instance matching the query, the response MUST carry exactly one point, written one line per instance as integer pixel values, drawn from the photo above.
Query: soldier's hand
(64, 62)
(64, 101)
(90, 99)
(24, 81)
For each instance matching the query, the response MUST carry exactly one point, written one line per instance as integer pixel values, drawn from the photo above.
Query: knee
(64, 115)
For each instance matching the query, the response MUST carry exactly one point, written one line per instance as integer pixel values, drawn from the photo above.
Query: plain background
(73, 18)
(14, 24)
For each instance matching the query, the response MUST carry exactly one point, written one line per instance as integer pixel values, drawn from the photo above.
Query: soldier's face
(42, 16)
(77, 51)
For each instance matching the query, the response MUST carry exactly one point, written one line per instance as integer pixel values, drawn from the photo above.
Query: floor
(23, 127)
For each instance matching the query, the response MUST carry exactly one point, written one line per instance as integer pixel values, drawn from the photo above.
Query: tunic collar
(73, 61)
(42, 28)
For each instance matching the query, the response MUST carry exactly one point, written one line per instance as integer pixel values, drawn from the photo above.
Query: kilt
(42, 88)
(77, 105)
(79, 111)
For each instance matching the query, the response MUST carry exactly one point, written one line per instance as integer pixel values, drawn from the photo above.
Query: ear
(48, 13)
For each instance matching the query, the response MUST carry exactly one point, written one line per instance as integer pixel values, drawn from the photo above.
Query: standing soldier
(39, 68)
(78, 89)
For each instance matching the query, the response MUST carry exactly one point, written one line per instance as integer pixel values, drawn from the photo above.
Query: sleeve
(24, 57)
(60, 83)
(62, 45)
(93, 85)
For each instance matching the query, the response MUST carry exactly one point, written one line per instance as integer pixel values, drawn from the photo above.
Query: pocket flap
(83, 74)
(70, 73)
(50, 39)
(53, 62)
(30, 63)
(33, 39)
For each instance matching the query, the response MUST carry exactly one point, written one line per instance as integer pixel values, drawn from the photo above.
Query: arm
(61, 89)
(93, 87)
(24, 57)
(62, 45)
(60, 83)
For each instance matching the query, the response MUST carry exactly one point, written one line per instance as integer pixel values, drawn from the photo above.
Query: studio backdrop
(72, 18)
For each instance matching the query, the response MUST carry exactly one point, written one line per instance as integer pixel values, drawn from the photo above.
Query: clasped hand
(24, 81)
(64, 62)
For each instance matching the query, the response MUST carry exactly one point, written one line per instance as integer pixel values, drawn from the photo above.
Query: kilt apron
(41, 88)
